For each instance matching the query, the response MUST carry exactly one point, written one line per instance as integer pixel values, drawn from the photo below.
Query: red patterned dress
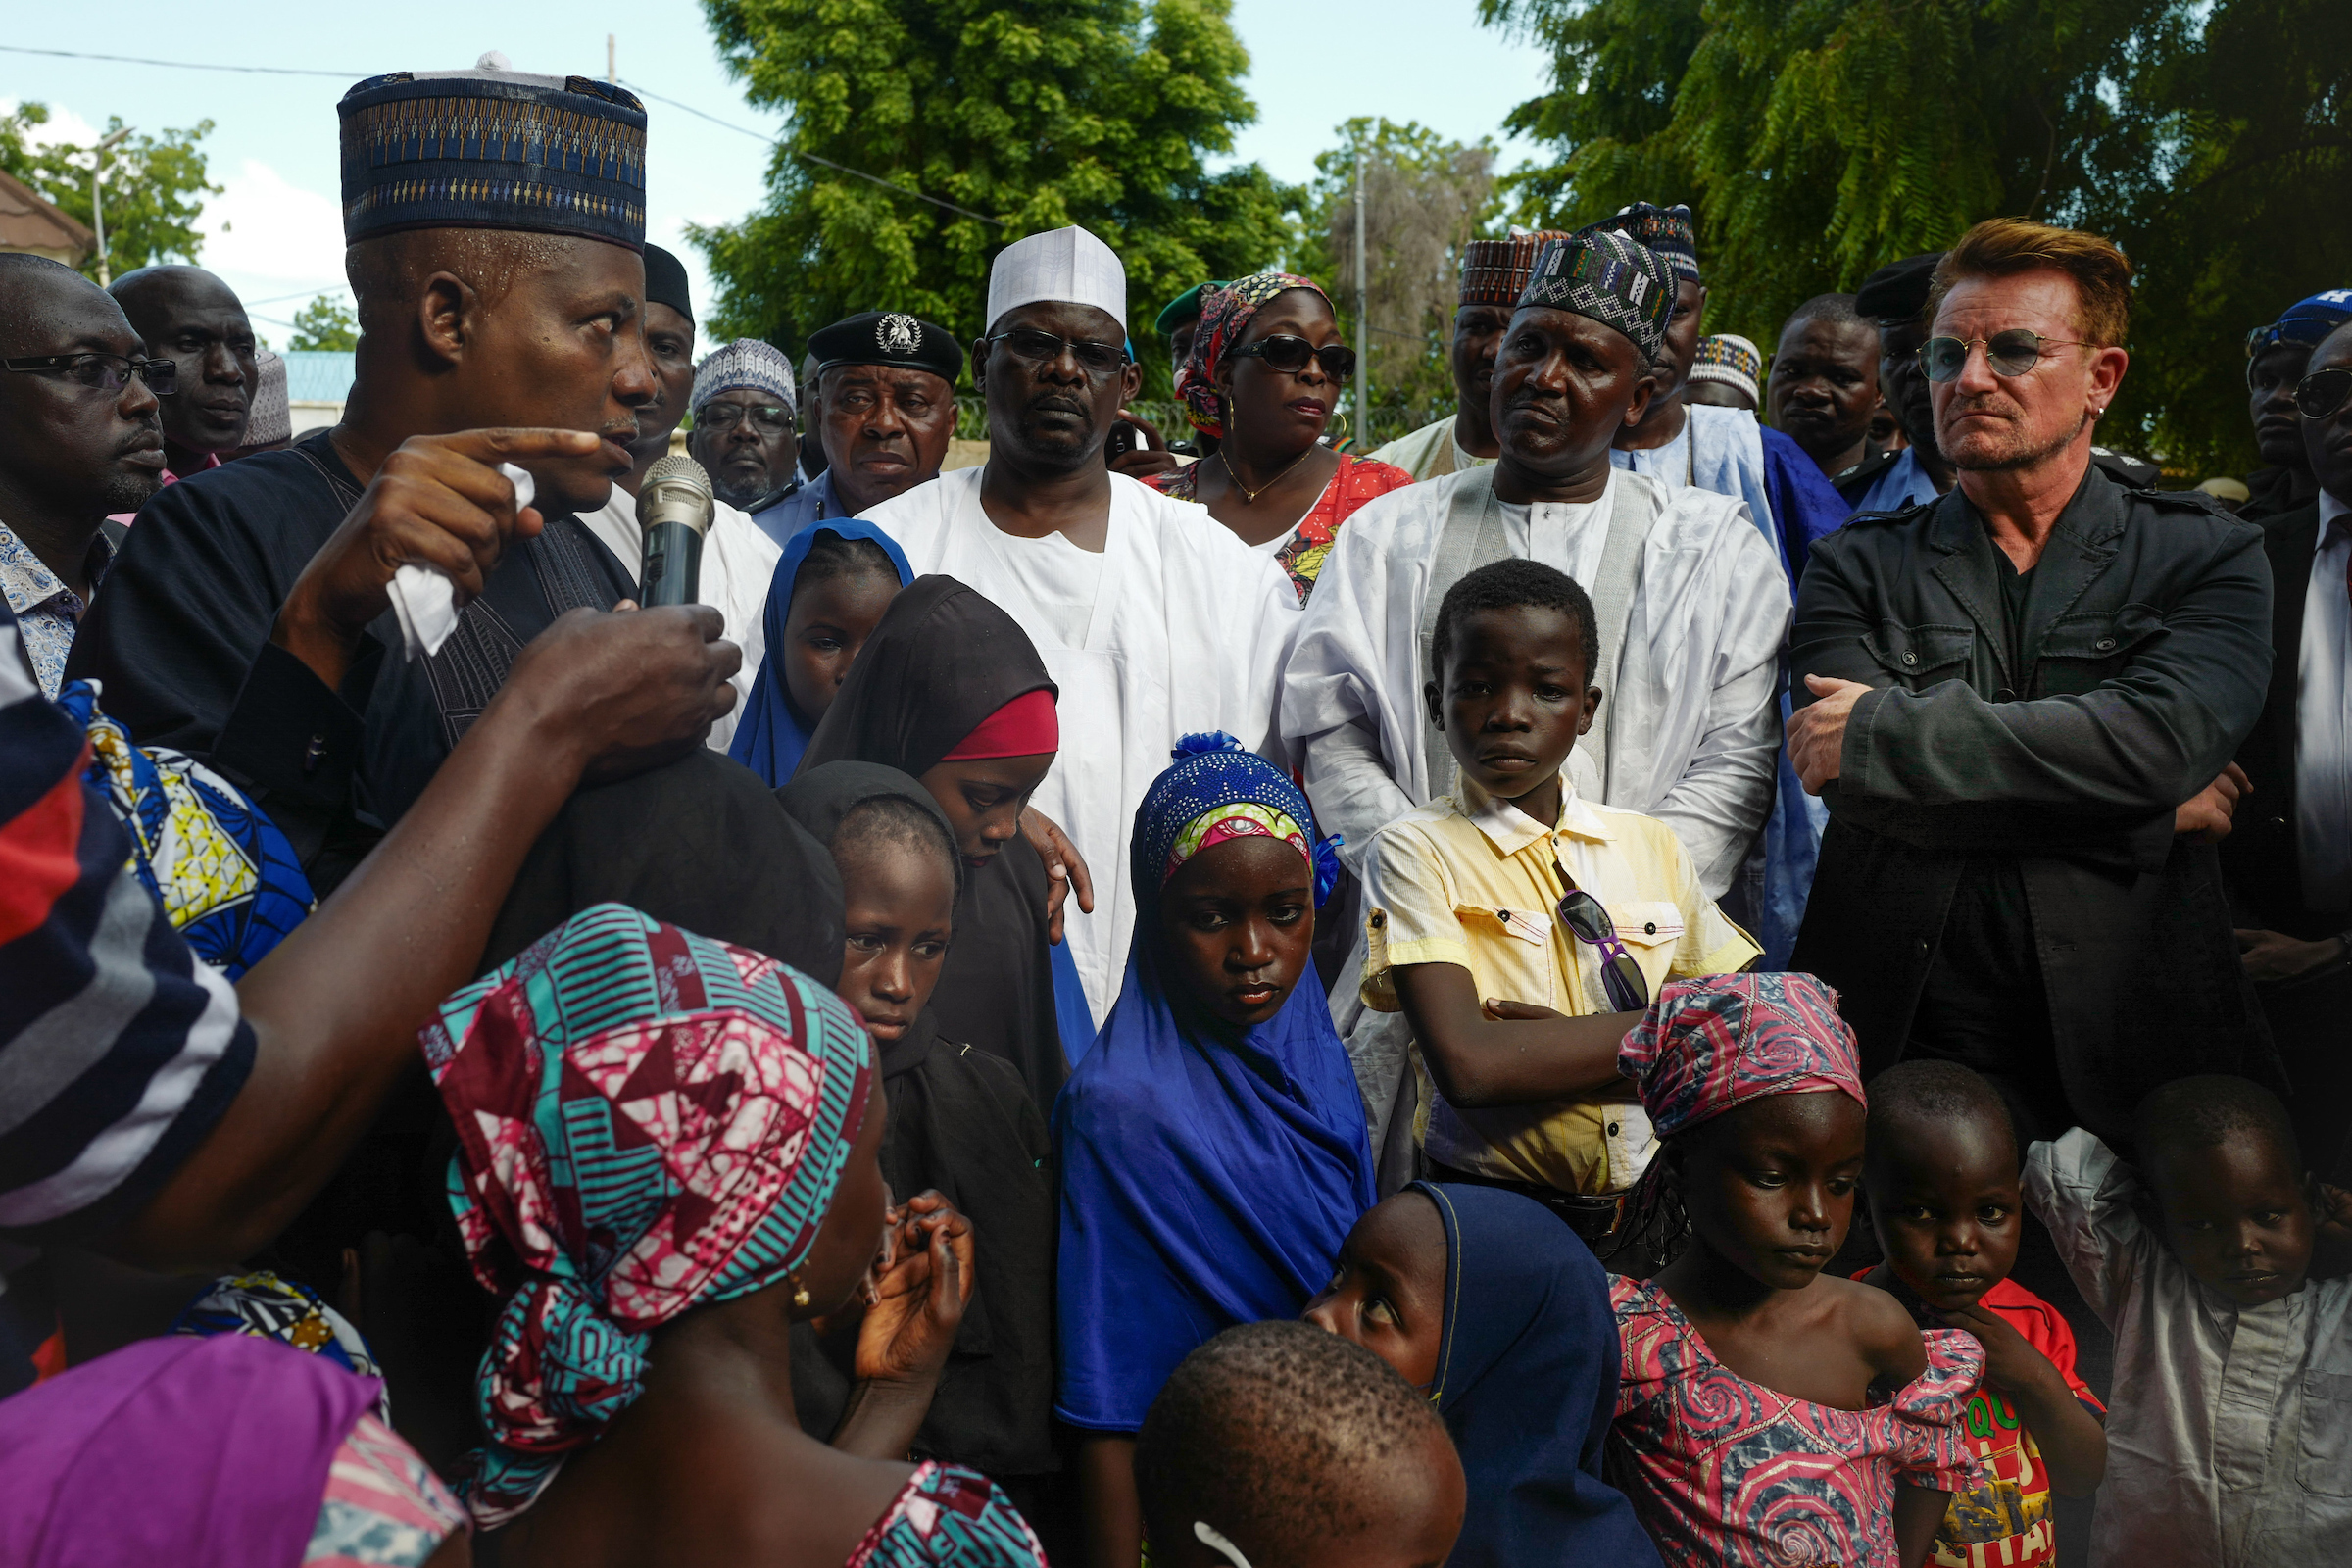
(1726, 1472)
(1302, 553)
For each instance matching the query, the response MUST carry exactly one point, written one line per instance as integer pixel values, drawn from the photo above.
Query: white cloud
(268, 237)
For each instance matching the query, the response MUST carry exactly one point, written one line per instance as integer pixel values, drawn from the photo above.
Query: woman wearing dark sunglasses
(1263, 376)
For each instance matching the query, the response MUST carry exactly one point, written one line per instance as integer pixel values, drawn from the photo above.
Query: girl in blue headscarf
(836, 579)
(1211, 1143)
(1484, 1299)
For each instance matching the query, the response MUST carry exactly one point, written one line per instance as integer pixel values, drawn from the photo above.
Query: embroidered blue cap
(493, 148)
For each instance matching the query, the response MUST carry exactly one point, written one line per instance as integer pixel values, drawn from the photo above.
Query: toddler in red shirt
(1941, 1173)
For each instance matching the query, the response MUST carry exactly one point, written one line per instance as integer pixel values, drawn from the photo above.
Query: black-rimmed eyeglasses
(1097, 360)
(102, 373)
(727, 416)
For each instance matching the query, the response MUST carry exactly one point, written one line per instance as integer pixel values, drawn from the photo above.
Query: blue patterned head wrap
(1215, 774)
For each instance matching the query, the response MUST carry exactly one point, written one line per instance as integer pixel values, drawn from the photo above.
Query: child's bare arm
(1918, 1515)
(2073, 1443)
(1480, 1061)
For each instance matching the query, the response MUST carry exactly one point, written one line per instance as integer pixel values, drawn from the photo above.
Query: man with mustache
(249, 620)
(1494, 274)
(1692, 605)
(746, 434)
(1155, 620)
(189, 317)
(2016, 701)
(80, 437)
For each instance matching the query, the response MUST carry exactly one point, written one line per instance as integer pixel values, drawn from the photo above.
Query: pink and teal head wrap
(647, 1121)
(1708, 1045)
(1225, 314)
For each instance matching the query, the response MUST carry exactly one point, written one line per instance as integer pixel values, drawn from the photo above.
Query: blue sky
(274, 231)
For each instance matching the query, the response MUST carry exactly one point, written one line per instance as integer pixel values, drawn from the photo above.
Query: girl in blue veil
(846, 593)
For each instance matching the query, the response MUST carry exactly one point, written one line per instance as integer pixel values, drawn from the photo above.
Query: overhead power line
(183, 65)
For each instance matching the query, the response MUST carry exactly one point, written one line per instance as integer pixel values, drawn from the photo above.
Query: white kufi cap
(1065, 264)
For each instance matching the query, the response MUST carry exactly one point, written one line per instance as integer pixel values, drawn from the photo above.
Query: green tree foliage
(327, 322)
(1092, 111)
(154, 188)
(1424, 198)
(1818, 139)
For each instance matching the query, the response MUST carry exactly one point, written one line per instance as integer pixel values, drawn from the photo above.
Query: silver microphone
(674, 509)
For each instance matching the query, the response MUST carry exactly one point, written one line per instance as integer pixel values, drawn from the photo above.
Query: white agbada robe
(739, 562)
(1176, 627)
(1720, 450)
(1695, 706)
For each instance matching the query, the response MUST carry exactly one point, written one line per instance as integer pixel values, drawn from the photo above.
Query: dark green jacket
(2147, 650)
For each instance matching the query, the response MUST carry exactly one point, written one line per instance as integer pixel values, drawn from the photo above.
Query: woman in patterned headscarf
(668, 1156)
(1263, 377)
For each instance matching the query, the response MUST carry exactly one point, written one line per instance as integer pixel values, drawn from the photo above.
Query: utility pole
(612, 65)
(97, 214)
(1363, 319)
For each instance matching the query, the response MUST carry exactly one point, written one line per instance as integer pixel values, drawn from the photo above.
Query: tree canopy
(327, 322)
(1100, 113)
(1821, 139)
(154, 187)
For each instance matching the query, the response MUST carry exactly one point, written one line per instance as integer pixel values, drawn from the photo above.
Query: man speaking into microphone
(738, 560)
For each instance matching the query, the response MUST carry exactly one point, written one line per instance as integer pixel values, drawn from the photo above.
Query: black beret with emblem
(1895, 294)
(888, 337)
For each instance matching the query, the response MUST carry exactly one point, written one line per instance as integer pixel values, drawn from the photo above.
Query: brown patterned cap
(1494, 272)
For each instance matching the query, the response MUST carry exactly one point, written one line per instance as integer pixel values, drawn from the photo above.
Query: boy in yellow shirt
(1523, 930)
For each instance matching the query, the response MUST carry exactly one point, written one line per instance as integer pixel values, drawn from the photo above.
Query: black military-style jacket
(2146, 651)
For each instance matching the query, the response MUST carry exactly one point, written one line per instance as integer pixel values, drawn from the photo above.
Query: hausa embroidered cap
(888, 337)
(1494, 272)
(493, 148)
(1670, 231)
(745, 365)
(1061, 265)
(1732, 361)
(1610, 278)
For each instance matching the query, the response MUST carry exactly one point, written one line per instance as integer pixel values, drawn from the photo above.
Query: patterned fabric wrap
(1494, 272)
(273, 416)
(269, 1307)
(227, 877)
(1616, 281)
(1708, 1045)
(1220, 790)
(744, 365)
(1225, 314)
(647, 1121)
(1725, 1471)
(384, 1507)
(1670, 231)
(492, 148)
(949, 1518)
(1732, 361)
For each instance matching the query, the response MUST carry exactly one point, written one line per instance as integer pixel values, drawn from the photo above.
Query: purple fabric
(201, 1453)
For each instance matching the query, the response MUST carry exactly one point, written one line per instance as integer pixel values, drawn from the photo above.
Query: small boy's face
(1770, 1184)
(1946, 1202)
(1514, 696)
(2237, 1214)
(1240, 919)
(1389, 1294)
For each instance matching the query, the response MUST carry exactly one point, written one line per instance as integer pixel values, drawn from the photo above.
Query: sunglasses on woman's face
(2012, 352)
(1288, 355)
(2323, 392)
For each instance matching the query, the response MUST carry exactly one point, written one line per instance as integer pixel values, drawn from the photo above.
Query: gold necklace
(1250, 496)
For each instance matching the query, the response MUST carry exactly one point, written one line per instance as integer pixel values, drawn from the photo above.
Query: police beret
(888, 337)
(1898, 291)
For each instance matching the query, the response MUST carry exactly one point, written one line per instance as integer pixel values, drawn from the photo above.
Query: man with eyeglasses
(2276, 356)
(189, 317)
(1155, 621)
(2016, 701)
(745, 435)
(2290, 863)
(80, 437)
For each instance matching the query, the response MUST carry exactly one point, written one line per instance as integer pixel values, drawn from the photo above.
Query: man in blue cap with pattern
(494, 223)
(2276, 356)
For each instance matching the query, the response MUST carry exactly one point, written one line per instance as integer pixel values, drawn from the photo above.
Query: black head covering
(888, 337)
(1898, 291)
(942, 659)
(666, 281)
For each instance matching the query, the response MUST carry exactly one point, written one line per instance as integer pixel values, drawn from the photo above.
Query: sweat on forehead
(41, 297)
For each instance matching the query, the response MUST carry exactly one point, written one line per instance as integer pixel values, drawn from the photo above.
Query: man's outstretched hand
(438, 500)
(1065, 866)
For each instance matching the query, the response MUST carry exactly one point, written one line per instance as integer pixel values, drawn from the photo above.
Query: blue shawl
(772, 735)
(1527, 1383)
(1209, 1174)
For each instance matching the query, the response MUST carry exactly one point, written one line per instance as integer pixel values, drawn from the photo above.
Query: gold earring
(1336, 437)
(800, 1291)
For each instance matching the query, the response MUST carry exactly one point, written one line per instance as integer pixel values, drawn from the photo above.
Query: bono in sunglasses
(2020, 702)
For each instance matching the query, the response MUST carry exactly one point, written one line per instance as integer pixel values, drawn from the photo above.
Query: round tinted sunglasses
(2323, 392)
(2012, 352)
(1288, 355)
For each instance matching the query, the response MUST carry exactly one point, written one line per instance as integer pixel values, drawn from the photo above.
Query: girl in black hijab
(951, 691)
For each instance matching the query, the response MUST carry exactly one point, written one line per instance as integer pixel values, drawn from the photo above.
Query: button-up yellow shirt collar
(1510, 830)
